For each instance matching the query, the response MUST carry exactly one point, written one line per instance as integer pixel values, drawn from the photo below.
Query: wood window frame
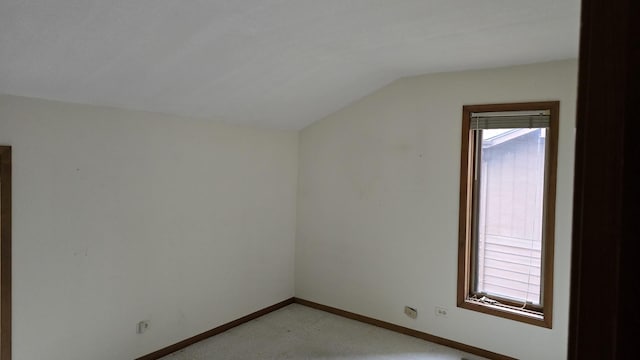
(5, 253)
(465, 244)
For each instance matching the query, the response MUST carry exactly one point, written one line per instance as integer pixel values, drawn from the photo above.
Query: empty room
(287, 179)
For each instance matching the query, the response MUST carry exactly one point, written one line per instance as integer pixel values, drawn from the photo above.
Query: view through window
(510, 213)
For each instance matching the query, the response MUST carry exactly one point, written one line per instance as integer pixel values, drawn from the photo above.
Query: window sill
(508, 312)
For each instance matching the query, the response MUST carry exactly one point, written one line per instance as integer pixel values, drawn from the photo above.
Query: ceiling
(270, 63)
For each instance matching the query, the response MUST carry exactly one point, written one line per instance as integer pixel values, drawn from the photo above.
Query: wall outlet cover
(440, 311)
(142, 326)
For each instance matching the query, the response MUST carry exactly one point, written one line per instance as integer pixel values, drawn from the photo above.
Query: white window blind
(510, 120)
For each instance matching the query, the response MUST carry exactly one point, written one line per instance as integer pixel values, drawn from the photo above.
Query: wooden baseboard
(215, 331)
(403, 330)
(365, 319)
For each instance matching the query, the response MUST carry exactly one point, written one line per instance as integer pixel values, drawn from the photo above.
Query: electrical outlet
(440, 311)
(142, 326)
(411, 312)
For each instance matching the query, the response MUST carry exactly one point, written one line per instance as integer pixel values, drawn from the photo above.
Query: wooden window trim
(5, 253)
(466, 206)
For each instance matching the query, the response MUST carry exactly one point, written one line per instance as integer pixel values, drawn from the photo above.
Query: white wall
(120, 216)
(378, 205)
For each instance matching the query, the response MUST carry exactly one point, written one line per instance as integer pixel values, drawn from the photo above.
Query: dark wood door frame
(5, 253)
(604, 316)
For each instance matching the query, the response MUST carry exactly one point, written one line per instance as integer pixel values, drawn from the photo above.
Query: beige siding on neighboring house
(510, 239)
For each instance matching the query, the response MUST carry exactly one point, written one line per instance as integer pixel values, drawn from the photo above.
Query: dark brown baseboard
(403, 330)
(215, 331)
(365, 319)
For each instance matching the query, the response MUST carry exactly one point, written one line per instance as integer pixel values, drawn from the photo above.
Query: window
(507, 205)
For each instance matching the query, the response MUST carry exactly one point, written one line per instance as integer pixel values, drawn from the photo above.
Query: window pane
(509, 191)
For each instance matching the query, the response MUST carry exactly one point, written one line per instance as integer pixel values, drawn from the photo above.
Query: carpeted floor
(300, 332)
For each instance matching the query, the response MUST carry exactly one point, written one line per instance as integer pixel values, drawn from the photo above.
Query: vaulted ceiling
(271, 63)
